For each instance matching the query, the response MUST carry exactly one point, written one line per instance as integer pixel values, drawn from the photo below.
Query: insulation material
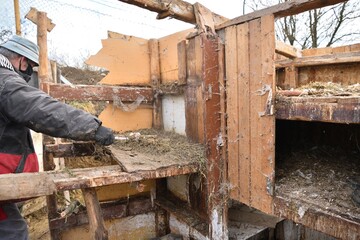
(174, 114)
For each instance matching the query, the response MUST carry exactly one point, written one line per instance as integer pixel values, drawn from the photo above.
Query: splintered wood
(150, 150)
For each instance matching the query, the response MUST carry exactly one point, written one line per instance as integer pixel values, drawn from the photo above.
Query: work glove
(104, 136)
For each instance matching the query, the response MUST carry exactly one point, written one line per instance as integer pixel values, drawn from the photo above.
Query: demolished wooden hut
(271, 146)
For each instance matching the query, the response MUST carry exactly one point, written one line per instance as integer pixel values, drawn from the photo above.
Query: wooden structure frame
(243, 112)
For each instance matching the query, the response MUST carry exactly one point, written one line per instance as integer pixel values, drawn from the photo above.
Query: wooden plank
(330, 50)
(18, 186)
(122, 55)
(268, 122)
(156, 81)
(336, 58)
(244, 159)
(182, 68)
(133, 162)
(291, 77)
(168, 49)
(217, 204)
(287, 50)
(96, 222)
(194, 92)
(324, 109)
(232, 109)
(317, 218)
(177, 9)
(43, 50)
(287, 8)
(262, 121)
(97, 93)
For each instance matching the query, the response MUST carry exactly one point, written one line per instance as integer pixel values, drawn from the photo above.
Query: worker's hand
(104, 136)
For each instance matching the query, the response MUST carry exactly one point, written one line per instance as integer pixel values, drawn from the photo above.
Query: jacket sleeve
(23, 104)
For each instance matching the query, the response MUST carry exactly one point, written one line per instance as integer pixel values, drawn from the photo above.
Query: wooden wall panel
(232, 109)
(120, 121)
(169, 55)
(244, 122)
(251, 121)
(126, 58)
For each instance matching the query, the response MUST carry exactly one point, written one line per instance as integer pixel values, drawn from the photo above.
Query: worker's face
(26, 64)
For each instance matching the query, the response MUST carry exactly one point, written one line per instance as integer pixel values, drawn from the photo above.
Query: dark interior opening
(319, 163)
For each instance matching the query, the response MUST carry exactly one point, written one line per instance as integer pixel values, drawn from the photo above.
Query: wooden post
(42, 42)
(181, 47)
(96, 222)
(156, 82)
(17, 17)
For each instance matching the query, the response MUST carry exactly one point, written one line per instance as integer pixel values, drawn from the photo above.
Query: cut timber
(287, 50)
(317, 218)
(127, 59)
(97, 93)
(96, 222)
(18, 186)
(287, 8)
(325, 109)
(177, 9)
(120, 121)
(32, 16)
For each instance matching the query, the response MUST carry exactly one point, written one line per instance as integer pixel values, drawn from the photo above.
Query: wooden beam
(110, 211)
(18, 186)
(73, 149)
(336, 58)
(324, 109)
(155, 78)
(287, 50)
(43, 71)
(177, 9)
(317, 218)
(281, 10)
(96, 222)
(97, 93)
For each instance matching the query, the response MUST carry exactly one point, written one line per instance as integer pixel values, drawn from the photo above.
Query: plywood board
(132, 161)
(169, 55)
(126, 57)
(121, 121)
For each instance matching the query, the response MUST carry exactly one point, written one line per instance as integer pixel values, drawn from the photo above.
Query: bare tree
(321, 27)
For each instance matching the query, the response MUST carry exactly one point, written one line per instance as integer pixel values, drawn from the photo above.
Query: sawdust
(322, 176)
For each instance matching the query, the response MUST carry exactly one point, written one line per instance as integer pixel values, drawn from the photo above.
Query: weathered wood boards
(287, 8)
(324, 109)
(251, 121)
(18, 186)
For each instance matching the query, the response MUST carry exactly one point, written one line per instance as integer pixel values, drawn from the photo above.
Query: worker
(22, 108)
